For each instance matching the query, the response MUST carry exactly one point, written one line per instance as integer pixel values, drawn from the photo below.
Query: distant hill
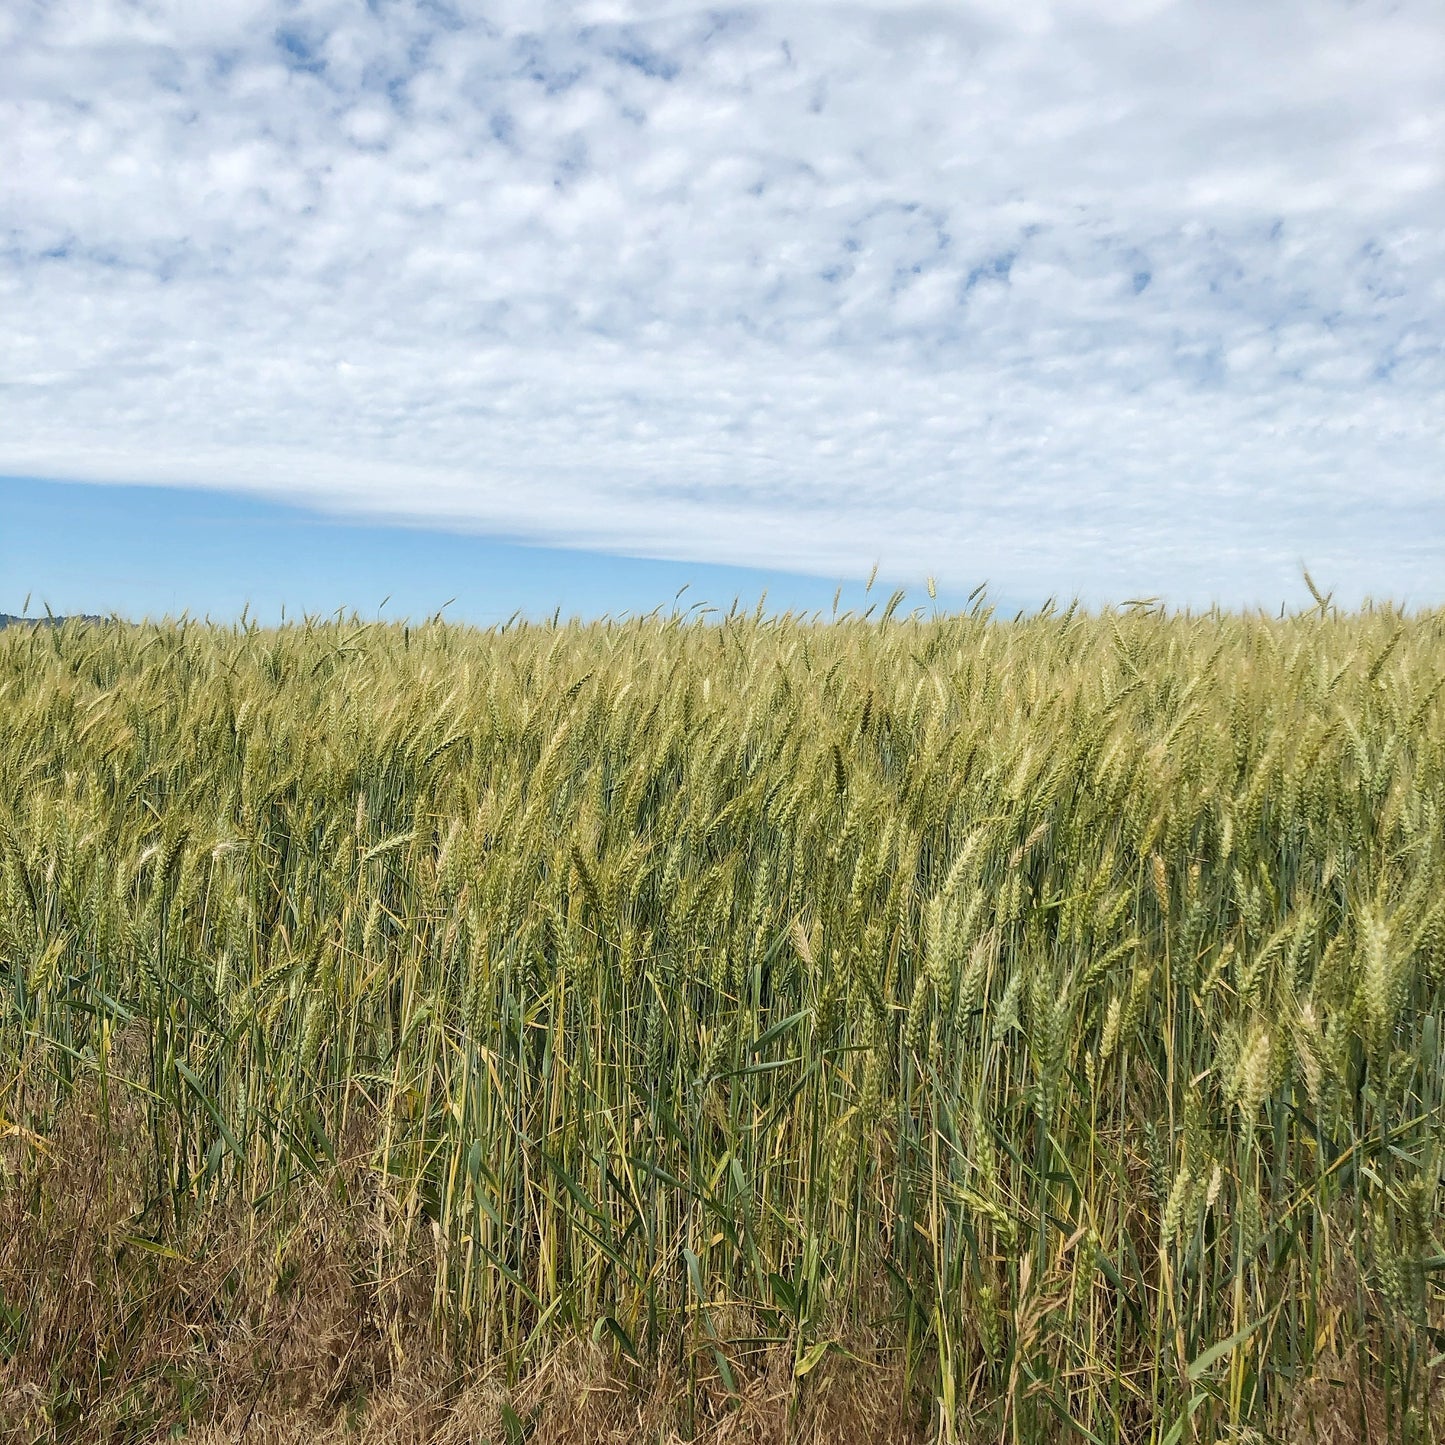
(8, 619)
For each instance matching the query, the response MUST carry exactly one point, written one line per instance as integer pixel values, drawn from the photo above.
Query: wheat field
(890, 1028)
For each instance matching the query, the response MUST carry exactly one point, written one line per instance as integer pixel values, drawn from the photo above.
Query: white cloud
(1086, 295)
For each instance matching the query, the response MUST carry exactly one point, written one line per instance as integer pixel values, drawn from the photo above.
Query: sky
(161, 552)
(1103, 298)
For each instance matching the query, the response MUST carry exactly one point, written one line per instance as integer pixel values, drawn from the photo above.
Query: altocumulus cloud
(1106, 295)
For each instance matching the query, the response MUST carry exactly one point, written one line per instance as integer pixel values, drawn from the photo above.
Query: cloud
(1096, 296)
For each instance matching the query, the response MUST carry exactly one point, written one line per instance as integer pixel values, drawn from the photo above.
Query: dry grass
(240, 1333)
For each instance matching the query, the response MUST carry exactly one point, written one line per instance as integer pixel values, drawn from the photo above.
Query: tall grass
(1047, 1010)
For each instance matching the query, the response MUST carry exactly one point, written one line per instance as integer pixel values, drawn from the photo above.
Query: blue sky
(1107, 297)
(158, 552)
